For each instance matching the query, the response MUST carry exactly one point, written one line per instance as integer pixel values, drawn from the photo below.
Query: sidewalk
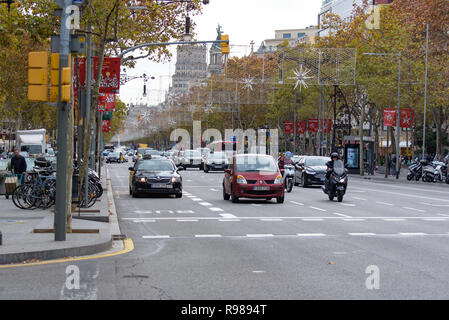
(21, 243)
(380, 177)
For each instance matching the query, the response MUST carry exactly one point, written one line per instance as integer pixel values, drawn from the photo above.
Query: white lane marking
(256, 205)
(156, 237)
(412, 233)
(208, 236)
(361, 234)
(229, 220)
(312, 219)
(435, 205)
(206, 204)
(315, 208)
(143, 211)
(413, 209)
(216, 209)
(197, 199)
(227, 215)
(357, 198)
(393, 219)
(258, 271)
(353, 219)
(298, 203)
(342, 215)
(139, 221)
(436, 219)
(406, 194)
(384, 203)
(187, 220)
(443, 215)
(191, 196)
(310, 234)
(271, 220)
(215, 190)
(259, 235)
(348, 204)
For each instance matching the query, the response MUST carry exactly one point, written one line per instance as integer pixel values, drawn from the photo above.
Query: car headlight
(143, 179)
(342, 180)
(278, 180)
(175, 179)
(241, 180)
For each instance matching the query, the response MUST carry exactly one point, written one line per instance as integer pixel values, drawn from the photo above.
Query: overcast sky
(242, 20)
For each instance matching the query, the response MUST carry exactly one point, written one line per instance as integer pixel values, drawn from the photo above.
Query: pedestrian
(18, 165)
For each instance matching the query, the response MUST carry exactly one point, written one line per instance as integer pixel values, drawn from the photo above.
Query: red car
(253, 176)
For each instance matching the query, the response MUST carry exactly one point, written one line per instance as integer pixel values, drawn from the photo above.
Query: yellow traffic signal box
(66, 74)
(225, 45)
(38, 76)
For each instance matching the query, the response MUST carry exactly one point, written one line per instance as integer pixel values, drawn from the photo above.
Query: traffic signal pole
(61, 206)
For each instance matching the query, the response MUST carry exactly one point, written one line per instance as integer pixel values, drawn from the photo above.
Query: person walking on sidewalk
(18, 165)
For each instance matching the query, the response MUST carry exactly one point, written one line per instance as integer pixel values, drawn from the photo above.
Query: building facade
(291, 36)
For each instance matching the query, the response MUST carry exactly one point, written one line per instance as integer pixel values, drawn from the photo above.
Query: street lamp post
(398, 111)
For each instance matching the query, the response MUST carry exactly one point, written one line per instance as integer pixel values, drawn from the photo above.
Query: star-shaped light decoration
(301, 77)
(248, 83)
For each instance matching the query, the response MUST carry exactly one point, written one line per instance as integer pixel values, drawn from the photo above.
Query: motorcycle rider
(330, 167)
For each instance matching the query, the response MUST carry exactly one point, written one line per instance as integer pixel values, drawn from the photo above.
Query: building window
(287, 35)
(301, 34)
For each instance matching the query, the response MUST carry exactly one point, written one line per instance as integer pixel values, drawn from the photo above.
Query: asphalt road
(203, 247)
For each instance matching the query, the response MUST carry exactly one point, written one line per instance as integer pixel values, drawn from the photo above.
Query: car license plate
(261, 188)
(161, 186)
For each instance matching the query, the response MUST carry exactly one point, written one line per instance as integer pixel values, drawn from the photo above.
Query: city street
(203, 247)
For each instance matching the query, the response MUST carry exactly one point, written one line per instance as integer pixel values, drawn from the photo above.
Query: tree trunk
(437, 116)
(361, 144)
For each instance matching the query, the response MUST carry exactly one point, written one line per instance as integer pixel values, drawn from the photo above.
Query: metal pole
(88, 106)
(61, 169)
(334, 139)
(425, 94)
(398, 119)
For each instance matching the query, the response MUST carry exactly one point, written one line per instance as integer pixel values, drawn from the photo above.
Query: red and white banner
(106, 102)
(288, 127)
(390, 117)
(407, 118)
(110, 74)
(313, 125)
(106, 125)
(300, 127)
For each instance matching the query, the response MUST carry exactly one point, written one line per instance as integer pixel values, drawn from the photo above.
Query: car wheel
(280, 199)
(225, 195)
(206, 169)
(234, 199)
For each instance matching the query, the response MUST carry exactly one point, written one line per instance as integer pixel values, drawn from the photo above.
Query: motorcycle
(338, 182)
(415, 171)
(289, 175)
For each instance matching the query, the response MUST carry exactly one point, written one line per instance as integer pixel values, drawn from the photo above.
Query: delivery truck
(32, 141)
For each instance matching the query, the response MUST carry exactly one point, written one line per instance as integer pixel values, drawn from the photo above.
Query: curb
(14, 258)
(9, 258)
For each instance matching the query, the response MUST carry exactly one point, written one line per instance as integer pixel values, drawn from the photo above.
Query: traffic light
(38, 76)
(225, 45)
(65, 79)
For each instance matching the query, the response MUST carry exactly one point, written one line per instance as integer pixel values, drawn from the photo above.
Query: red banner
(300, 127)
(110, 74)
(288, 127)
(106, 125)
(313, 125)
(106, 102)
(390, 117)
(407, 118)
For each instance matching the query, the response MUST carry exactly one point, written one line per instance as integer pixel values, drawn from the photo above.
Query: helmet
(288, 154)
(335, 155)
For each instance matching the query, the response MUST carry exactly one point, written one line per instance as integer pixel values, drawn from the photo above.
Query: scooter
(338, 182)
(289, 175)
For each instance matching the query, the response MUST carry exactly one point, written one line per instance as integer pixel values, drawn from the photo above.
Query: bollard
(0, 238)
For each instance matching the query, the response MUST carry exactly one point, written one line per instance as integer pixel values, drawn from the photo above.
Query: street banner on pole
(300, 127)
(110, 74)
(390, 117)
(106, 125)
(407, 118)
(288, 127)
(312, 125)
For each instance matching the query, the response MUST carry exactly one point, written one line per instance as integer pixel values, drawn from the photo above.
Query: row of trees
(247, 95)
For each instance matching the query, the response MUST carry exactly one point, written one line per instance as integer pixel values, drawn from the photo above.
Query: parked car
(310, 170)
(253, 176)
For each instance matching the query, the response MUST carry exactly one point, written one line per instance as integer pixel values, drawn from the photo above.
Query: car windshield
(316, 162)
(217, 155)
(114, 154)
(192, 153)
(256, 164)
(155, 165)
(142, 150)
(339, 167)
(153, 152)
